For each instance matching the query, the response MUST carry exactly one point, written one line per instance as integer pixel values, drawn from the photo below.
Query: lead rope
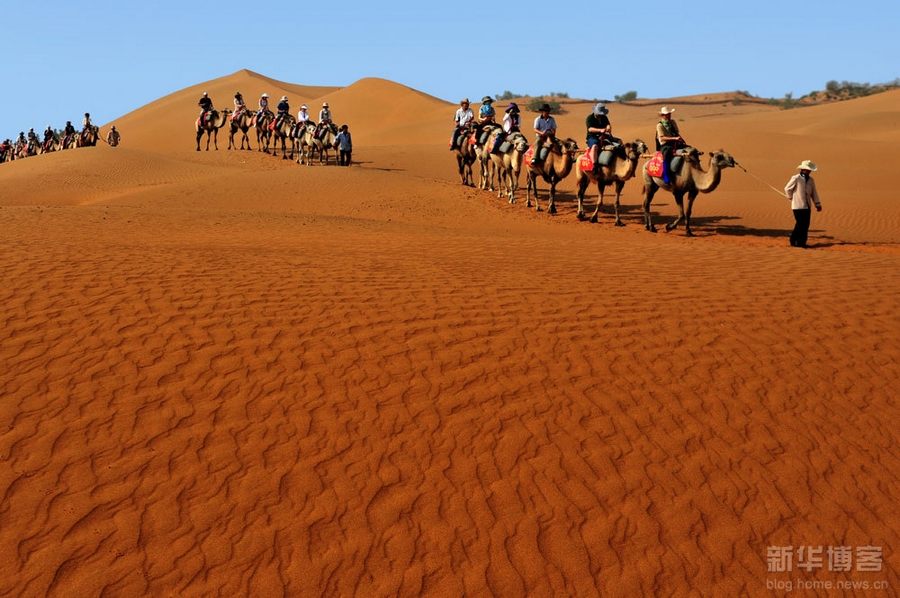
(780, 193)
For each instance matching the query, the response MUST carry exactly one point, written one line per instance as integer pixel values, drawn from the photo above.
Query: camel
(326, 143)
(211, 127)
(89, 136)
(483, 157)
(69, 141)
(241, 123)
(263, 133)
(508, 165)
(622, 167)
(465, 157)
(283, 132)
(553, 169)
(305, 142)
(691, 181)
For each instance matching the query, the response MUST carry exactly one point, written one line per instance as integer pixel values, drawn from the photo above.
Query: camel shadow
(363, 163)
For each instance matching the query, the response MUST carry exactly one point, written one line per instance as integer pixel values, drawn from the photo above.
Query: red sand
(226, 373)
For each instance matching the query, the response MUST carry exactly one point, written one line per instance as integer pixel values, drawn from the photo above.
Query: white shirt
(463, 117)
(324, 114)
(302, 116)
(801, 191)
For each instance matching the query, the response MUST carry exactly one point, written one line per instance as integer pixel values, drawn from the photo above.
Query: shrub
(628, 96)
(508, 95)
(535, 104)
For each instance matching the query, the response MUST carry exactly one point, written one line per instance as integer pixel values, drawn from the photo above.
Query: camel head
(640, 147)
(570, 146)
(519, 142)
(722, 159)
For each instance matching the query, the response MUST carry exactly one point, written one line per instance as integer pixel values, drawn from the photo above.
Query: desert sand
(224, 373)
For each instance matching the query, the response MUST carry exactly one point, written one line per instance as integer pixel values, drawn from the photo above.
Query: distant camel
(88, 137)
(306, 139)
(622, 167)
(263, 133)
(553, 169)
(692, 180)
(282, 133)
(508, 164)
(465, 157)
(242, 122)
(211, 127)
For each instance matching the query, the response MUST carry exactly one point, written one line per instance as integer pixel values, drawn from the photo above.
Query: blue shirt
(344, 142)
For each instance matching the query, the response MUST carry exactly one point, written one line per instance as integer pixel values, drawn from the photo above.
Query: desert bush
(535, 104)
(628, 96)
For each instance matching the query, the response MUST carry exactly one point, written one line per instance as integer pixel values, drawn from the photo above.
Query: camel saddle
(656, 165)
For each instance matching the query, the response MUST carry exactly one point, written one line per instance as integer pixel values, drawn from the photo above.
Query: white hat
(304, 107)
(666, 110)
(324, 104)
(600, 108)
(807, 165)
(284, 98)
(205, 94)
(265, 95)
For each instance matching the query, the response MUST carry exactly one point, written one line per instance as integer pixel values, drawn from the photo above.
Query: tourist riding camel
(325, 121)
(461, 120)
(598, 130)
(206, 107)
(49, 138)
(302, 120)
(486, 118)
(668, 138)
(284, 110)
(68, 135)
(113, 137)
(510, 125)
(545, 133)
(263, 108)
(239, 106)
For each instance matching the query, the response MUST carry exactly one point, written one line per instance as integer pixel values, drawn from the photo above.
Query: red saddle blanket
(585, 163)
(529, 155)
(655, 165)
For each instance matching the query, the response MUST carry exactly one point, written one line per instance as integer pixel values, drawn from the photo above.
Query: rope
(778, 191)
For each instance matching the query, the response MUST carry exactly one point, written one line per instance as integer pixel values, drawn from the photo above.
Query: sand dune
(224, 373)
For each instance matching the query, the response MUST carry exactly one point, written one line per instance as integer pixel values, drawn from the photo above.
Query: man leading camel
(545, 132)
(801, 190)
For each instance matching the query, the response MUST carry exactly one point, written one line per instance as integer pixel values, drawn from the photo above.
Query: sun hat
(265, 95)
(807, 165)
(465, 101)
(304, 107)
(545, 107)
(487, 100)
(666, 110)
(512, 106)
(324, 104)
(284, 98)
(600, 108)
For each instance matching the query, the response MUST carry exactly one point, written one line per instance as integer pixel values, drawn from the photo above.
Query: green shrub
(628, 96)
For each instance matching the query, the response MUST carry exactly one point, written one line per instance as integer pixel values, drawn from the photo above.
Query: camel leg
(532, 186)
(199, 137)
(600, 189)
(649, 192)
(679, 199)
(687, 222)
(513, 185)
(619, 186)
(216, 138)
(583, 183)
(551, 207)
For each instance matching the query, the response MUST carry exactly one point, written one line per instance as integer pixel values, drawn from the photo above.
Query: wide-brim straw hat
(284, 98)
(666, 110)
(464, 101)
(600, 109)
(807, 165)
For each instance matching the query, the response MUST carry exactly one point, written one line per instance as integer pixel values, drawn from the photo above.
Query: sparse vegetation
(628, 96)
(508, 95)
(535, 104)
(558, 94)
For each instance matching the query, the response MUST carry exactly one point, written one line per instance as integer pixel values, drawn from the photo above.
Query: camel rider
(21, 141)
(239, 105)
(486, 115)
(510, 125)
(302, 120)
(283, 110)
(86, 121)
(263, 104)
(545, 132)
(32, 136)
(325, 119)
(68, 132)
(49, 135)
(206, 107)
(668, 138)
(113, 137)
(598, 130)
(462, 119)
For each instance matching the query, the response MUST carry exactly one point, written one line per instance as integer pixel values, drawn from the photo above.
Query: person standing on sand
(113, 137)
(801, 190)
(345, 145)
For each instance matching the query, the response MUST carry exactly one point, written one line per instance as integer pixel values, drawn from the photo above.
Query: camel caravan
(501, 152)
(26, 146)
(300, 135)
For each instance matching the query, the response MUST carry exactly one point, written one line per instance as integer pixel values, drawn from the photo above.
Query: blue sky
(111, 57)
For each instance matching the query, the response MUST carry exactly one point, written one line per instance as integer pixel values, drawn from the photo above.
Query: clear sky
(65, 57)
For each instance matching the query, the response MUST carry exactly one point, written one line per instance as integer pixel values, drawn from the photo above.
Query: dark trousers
(801, 228)
(344, 159)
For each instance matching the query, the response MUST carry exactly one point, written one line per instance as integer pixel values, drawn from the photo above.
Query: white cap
(284, 98)
(265, 95)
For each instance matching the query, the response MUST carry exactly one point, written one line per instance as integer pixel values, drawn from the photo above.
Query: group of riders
(597, 127)
(265, 114)
(31, 144)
